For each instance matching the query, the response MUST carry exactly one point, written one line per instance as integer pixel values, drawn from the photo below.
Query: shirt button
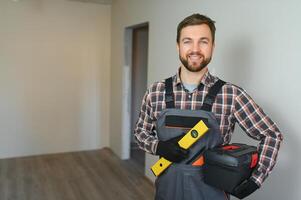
(189, 96)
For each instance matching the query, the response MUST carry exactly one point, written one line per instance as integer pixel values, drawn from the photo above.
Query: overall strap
(169, 97)
(210, 97)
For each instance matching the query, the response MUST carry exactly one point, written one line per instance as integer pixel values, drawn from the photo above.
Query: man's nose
(196, 47)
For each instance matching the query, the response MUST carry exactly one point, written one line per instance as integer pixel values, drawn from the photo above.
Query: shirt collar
(208, 79)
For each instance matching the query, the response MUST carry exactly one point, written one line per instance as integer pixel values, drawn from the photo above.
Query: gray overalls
(183, 181)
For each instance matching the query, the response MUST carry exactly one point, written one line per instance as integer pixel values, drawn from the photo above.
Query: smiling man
(174, 105)
(194, 51)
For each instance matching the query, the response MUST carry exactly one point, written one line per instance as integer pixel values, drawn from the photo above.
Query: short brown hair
(196, 19)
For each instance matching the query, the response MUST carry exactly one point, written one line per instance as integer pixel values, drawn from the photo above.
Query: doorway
(135, 85)
(139, 84)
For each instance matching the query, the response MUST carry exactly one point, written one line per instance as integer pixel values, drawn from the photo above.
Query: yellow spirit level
(186, 141)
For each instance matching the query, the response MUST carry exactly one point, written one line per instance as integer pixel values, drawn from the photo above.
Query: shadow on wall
(284, 180)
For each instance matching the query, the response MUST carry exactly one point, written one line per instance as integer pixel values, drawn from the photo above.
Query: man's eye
(204, 42)
(187, 42)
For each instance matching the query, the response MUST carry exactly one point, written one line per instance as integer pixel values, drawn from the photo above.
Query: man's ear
(178, 47)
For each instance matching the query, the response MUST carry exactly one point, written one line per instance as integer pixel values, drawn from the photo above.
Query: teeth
(194, 57)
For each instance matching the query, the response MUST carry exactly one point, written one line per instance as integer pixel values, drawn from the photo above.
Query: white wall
(54, 76)
(257, 47)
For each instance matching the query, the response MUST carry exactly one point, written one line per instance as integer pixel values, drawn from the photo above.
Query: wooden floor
(88, 175)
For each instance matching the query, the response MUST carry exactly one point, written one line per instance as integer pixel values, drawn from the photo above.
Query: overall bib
(184, 181)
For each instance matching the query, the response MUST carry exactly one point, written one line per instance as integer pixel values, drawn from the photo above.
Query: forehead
(196, 31)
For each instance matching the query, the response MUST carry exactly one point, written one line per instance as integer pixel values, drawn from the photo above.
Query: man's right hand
(171, 150)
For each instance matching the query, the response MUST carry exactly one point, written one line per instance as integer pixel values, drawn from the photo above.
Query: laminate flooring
(86, 175)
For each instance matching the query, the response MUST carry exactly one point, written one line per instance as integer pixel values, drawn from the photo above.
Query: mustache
(195, 54)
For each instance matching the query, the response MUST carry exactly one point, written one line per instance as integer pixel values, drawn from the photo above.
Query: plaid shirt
(232, 104)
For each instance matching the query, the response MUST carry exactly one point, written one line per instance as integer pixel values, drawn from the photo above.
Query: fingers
(176, 139)
(181, 154)
(184, 152)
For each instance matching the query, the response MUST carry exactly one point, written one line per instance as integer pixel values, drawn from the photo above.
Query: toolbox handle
(245, 151)
(230, 147)
(254, 160)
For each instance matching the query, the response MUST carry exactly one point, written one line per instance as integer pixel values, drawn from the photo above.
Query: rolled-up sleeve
(259, 126)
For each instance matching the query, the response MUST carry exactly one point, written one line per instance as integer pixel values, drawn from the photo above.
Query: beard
(191, 67)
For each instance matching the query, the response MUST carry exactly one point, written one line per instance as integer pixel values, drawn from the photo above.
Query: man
(172, 106)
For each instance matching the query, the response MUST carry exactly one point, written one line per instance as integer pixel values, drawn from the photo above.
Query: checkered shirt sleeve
(144, 130)
(258, 126)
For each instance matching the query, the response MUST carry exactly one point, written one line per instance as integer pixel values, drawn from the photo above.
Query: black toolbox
(227, 166)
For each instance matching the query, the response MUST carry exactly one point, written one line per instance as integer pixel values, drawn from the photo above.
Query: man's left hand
(245, 189)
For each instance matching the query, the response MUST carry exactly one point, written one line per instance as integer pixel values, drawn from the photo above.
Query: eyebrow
(205, 38)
